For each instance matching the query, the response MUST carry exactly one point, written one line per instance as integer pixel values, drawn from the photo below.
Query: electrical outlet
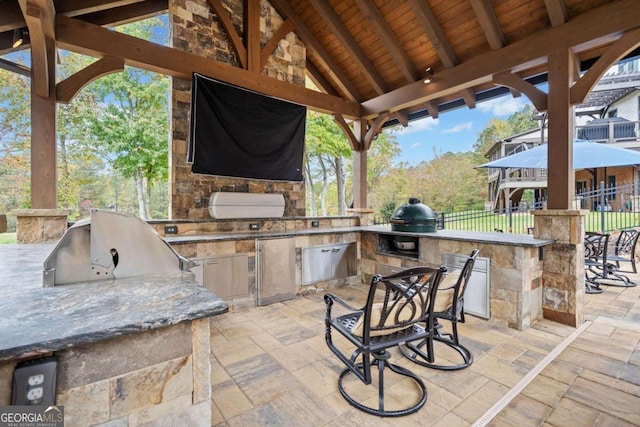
(35, 393)
(34, 382)
(36, 379)
(170, 229)
(315, 223)
(254, 226)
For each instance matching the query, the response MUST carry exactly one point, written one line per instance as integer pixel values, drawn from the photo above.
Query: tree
(15, 136)
(327, 152)
(497, 129)
(133, 122)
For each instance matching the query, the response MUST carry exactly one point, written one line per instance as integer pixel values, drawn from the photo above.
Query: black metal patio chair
(449, 306)
(598, 269)
(625, 250)
(396, 307)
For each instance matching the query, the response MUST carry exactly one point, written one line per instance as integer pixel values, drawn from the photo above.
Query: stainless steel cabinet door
(276, 270)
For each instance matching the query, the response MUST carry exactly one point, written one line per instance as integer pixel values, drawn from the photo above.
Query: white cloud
(503, 106)
(420, 125)
(459, 128)
(416, 145)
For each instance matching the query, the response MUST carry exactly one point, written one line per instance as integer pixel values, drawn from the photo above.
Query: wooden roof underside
(369, 57)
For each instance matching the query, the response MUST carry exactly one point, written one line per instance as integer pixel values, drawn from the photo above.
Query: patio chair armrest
(329, 299)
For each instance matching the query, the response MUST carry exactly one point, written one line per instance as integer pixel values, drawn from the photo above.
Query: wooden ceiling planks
(453, 34)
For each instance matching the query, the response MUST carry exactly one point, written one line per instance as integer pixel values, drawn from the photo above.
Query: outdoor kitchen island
(515, 294)
(129, 350)
(515, 291)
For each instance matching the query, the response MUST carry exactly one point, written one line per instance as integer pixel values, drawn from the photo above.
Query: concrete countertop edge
(477, 237)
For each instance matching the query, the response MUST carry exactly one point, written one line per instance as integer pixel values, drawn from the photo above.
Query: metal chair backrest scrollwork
(600, 267)
(449, 306)
(625, 249)
(396, 309)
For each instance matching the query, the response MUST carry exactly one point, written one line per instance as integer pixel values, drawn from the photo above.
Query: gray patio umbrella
(586, 155)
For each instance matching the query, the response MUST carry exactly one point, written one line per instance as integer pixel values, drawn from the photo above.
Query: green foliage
(387, 209)
(497, 129)
(327, 151)
(15, 137)
(8, 238)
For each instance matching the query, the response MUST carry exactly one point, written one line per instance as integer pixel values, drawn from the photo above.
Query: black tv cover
(240, 133)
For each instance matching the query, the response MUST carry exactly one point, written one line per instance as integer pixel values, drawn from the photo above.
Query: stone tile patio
(271, 366)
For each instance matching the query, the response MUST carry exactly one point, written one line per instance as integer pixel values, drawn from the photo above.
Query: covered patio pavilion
(371, 61)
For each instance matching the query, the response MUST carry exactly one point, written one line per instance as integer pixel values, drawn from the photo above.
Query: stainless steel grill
(110, 245)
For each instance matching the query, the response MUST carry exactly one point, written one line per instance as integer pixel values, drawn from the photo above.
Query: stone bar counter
(515, 260)
(129, 350)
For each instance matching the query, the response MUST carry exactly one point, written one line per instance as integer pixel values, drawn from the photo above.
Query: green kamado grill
(414, 217)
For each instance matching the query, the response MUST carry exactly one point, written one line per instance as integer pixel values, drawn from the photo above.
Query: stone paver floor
(271, 366)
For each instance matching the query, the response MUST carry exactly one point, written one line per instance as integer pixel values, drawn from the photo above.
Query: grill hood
(414, 217)
(110, 245)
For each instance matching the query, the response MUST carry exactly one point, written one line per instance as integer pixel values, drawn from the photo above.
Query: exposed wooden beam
(489, 23)
(469, 98)
(82, 7)
(577, 34)
(432, 28)
(373, 130)
(537, 97)
(318, 78)
(349, 133)
(284, 29)
(386, 36)
(39, 16)
(628, 42)
(67, 89)
(318, 52)
(11, 17)
(560, 173)
(557, 12)
(350, 45)
(15, 68)
(402, 117)
(125, 14)
(432, 109)
(234, 37)
(360, 168)
(89, 39)
(252, 34)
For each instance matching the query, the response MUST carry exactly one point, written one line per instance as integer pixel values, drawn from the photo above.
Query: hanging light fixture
(19, 37)
(429, 77)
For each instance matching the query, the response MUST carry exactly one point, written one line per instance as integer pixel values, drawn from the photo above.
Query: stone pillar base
(563, 264)
(366, 215)
(40, 225)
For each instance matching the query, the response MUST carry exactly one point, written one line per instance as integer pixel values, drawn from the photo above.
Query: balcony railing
(613, 131)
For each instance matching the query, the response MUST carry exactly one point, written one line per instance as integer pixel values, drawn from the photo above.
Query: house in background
(610, 115)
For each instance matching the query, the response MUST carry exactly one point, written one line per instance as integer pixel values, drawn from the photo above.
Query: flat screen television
(240, 133)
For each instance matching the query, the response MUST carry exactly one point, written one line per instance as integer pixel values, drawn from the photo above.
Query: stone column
(366, 215)
(563, 264)
(40, 225)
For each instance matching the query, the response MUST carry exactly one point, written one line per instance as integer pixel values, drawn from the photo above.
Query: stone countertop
(468, 236)
(259, 234)
(34, 319)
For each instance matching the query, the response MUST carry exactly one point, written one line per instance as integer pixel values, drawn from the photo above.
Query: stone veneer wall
(160, 376)
(195, 29)
(563, 299)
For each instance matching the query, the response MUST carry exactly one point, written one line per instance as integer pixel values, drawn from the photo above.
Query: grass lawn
(7, 238)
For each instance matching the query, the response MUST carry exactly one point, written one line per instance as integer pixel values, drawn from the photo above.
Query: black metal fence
(610, 208)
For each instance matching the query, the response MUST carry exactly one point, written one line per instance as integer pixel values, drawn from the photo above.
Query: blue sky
(454, 131)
